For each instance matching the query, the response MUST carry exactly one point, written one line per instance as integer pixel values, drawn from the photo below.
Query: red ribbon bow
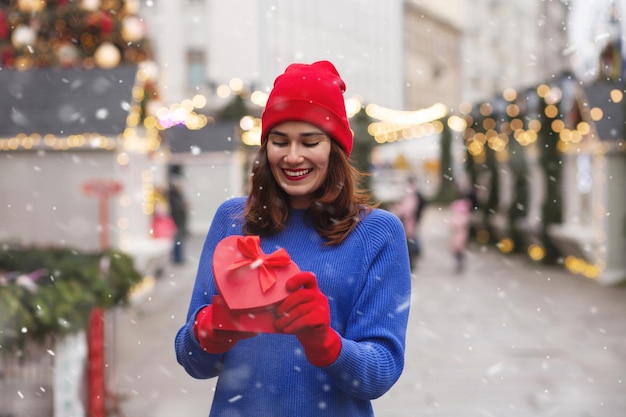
(250, 248)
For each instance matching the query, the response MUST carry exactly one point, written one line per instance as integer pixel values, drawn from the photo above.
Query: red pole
(96, 359)
(104, 222)
(96, 406)
(95, 364)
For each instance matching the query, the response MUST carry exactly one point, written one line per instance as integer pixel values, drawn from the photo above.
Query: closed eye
(282, 144)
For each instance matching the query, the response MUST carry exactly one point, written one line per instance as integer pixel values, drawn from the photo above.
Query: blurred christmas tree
(71, 33)
(75, 34)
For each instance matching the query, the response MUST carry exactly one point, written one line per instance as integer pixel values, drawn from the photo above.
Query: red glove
(305, 313)
(212, 340)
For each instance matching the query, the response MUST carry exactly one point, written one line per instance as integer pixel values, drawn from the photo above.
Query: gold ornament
(107, 55)
(31, 6)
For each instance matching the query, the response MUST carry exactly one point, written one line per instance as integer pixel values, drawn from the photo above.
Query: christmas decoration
(107, 55)
(74, 34)
(51, 291)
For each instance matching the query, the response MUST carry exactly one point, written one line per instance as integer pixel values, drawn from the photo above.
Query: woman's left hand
(306, 314)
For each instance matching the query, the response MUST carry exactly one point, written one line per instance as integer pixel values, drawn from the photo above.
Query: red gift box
(250, 284)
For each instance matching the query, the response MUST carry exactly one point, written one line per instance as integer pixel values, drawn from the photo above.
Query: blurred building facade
(514, 44)
(432, 57)
(201, 44)
(401, 54)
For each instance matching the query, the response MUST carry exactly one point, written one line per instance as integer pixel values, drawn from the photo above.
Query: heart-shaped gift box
(250, 283)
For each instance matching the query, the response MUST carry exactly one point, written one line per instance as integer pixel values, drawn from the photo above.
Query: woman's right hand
(214, 340)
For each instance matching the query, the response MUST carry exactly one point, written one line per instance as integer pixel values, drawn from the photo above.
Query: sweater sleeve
(372, 354)
(196, 362)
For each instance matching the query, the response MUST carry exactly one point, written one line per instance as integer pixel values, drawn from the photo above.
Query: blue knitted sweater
(367, 281)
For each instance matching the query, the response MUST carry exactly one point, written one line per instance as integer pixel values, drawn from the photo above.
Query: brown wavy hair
(338, 203)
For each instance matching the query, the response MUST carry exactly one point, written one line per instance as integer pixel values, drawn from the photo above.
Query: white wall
(210, 179)
(452, 11)
(43, 201)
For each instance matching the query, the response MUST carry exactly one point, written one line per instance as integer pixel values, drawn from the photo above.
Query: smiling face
(298, 154)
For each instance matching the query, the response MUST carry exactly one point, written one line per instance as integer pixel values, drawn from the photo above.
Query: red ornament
(4, 28)
(106, 23)
(7, 59)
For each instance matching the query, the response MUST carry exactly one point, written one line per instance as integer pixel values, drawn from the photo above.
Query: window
(196, 65)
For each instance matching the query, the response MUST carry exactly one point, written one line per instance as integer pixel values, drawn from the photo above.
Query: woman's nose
(293, 155)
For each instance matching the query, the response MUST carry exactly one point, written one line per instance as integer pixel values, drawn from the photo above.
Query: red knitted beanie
(312, 94)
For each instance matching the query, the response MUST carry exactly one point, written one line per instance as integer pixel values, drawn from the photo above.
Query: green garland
(51, 291)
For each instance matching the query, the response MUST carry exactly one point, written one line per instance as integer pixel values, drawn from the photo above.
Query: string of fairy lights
(392, 125)
(142, 133)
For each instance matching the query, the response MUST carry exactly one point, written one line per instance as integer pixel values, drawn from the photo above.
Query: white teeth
(297, 173)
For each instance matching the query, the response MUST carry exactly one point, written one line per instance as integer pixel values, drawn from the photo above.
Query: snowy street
(505, 338)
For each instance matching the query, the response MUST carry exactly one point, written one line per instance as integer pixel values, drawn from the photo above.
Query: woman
(340, 333)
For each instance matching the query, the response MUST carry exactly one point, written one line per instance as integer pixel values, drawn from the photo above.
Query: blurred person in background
(409, 209)
(460, 222)
(339, 337)
(178, 211)
(163, 226)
